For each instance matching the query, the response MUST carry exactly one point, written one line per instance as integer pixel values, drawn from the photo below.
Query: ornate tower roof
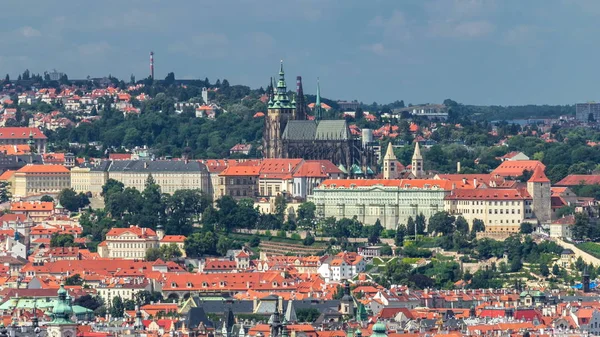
(62, 311)
(281, 99)
(318, 109)
(417, 154)
(538, 176)
(389, 153)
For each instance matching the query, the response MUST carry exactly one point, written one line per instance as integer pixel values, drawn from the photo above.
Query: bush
(296, 236)
(281, 234)
(308, 240)
(268, 233)
(254, 241)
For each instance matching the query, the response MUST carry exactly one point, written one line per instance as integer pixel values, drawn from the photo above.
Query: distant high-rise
(587, 112)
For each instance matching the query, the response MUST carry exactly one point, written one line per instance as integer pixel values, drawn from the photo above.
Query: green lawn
(591, 248)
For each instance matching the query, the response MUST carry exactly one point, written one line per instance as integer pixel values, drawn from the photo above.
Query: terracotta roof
(15, 149)
(119, 156)
(173, 238)
(33, 168)
(21, 133)
(316, 168)
(565, 220)
(141, 232)
(538, 176)
(241, 169)
(7, 175)
(577, 179)
(488, 194)
(515, 168)
(32, 206)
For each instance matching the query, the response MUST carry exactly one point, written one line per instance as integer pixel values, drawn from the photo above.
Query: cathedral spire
(318, 110)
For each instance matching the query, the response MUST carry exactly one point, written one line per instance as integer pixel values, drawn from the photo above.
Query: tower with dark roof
(280, 110)
(538, 187)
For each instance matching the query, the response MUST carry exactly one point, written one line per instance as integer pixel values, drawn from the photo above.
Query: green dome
(378, 329)
(62, 311)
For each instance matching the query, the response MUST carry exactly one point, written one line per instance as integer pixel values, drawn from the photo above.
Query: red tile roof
(488, 194)
(33, 168)
(21, 133)
(538, 176)
(119, 156)
(578, 179)
(173, 238)
(515, 168)
(141, 232)
(32, 206)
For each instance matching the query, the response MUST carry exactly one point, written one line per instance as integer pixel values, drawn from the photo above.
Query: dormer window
(274, 284)
(173, 285)
(222, 283)
(189, 284)
(204, 284)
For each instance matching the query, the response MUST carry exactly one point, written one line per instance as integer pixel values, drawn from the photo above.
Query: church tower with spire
(417, 162)
(61, 324)
(318, 109)
(390, 171)
(280, 110)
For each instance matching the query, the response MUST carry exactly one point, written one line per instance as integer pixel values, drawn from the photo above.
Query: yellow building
(165, 240)
(89, 178)
(35, 179)
(128, 243)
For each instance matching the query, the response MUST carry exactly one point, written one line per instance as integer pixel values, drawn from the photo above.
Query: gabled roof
(141, 232)
(488, 194)
(399, 183)
(33, 168)
(21, 133)
(538, 176)
(577, 179)
(515, 168)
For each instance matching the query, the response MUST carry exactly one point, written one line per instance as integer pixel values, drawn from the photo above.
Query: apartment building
(128, 243)
(35, 179)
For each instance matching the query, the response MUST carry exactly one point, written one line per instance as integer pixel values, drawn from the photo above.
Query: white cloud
(29, 32)
(375, 48)
(93, 49)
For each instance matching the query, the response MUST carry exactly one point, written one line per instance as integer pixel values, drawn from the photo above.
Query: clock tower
(61, 324)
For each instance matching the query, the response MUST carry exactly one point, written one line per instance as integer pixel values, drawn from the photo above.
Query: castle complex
(288, 133)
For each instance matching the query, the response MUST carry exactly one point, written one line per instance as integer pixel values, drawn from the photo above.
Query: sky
(500, 52)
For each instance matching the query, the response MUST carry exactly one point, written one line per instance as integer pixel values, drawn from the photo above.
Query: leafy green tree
(526, 228)
(306, 214)
(202, 243)
(146, 297)
(62, 240)
(441, 223)
(400, 234)
(478, 226)
(129, 304)
(280, 207)
(46, 198)
(74, 280)
(5, 194)
(68, 199)
(420, 223)
(581, 227)
(153, 254)
(88, 301)
(307, 314)
(375, 232)
(462, 226)
(112, 186)
(117, 308)
(308, 240)
(544, 271)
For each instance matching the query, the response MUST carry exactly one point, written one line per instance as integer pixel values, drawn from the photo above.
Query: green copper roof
(318, 109)
(379, 330)
(62, 311)
(281, 99)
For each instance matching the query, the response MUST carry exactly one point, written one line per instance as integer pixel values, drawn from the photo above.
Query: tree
(375, 232)
(308, 240)
(170, 251)
(117, 308)
(526, 228)
(544, 271)
(74, 280)
(5, 194)
(46, 198)
(462, 226)
(306, 214)
(72, 201)
(307, 314)
(411, 227)
(89, 301)
(555, 270)
(420, 223)
(478, 226)
(441, 223)
(62, 240)
(400, 234)
(280, 207)
(199, 244)
(153, 254)
(581, 227)
(146, 297)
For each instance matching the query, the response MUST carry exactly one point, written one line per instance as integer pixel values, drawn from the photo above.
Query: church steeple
(389, 163)
(417, 162)
(318, 109)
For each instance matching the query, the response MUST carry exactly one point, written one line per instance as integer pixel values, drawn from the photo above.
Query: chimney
(474, 182)
(464, 180)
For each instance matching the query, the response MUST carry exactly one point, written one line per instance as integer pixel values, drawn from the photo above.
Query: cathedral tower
(318, 108)
(280, 111)
(417, 162)
(390, 171)
(538, 187)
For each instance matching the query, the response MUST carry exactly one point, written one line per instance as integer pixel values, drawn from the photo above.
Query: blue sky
(473, 51)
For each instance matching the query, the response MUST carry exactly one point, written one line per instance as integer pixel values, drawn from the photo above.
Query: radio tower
(152, 65)
(300, 102)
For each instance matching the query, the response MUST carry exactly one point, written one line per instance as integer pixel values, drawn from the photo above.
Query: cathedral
(288, 133)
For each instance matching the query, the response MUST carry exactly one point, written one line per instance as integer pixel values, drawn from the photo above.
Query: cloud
(473, 29)
(208, 44)
(29, 32)
(375, 48)
(93, 49)
(260, 40)
(463, 19)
